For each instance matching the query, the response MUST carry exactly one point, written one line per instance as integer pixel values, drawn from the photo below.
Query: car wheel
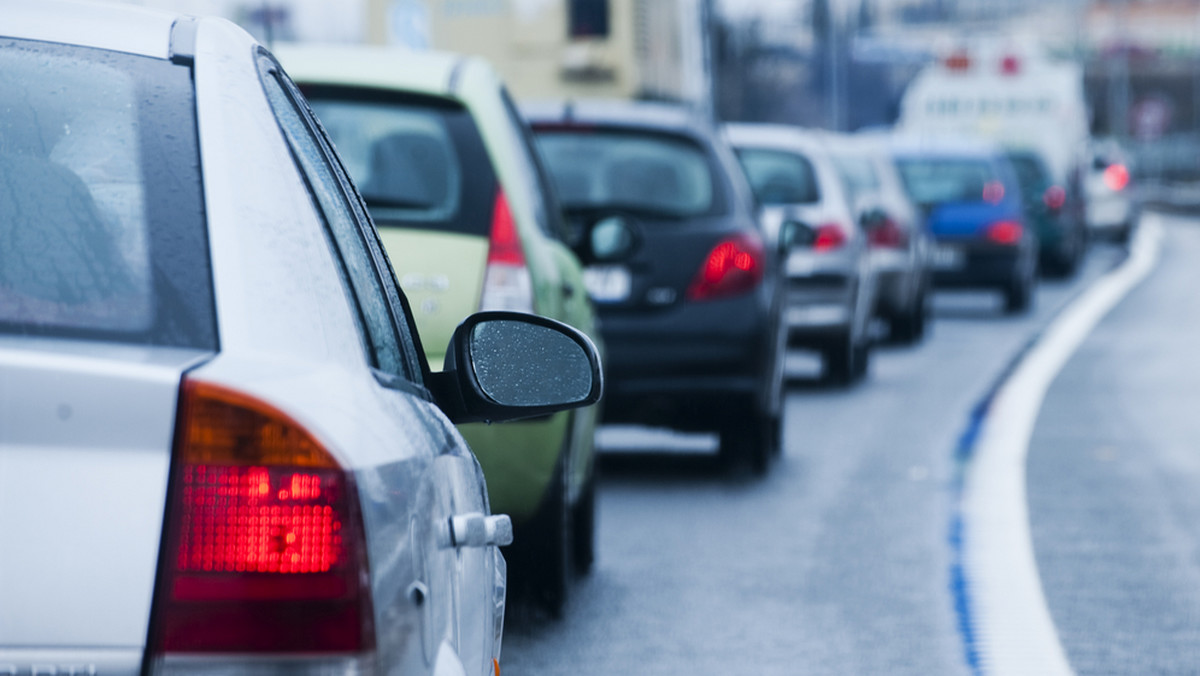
(1018, 297)
(583, 527)
(845, 360)
(749, 440)
(909, 327)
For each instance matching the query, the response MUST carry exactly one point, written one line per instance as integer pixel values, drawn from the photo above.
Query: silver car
(830, 280)
(221, 448)
(900, 245)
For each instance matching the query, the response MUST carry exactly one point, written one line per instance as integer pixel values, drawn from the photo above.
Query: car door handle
(568, 290)
(477, 530)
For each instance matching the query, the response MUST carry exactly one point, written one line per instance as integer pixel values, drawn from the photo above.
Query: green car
(446, 167)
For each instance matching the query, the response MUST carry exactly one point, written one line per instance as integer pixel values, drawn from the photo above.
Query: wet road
(839, 562)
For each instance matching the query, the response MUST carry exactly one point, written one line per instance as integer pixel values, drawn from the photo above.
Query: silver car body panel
(85, 440)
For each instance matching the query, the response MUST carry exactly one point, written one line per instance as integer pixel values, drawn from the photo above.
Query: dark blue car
(972, 203)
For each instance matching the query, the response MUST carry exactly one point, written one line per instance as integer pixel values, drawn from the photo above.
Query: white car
(1111, 207)
(221, 447)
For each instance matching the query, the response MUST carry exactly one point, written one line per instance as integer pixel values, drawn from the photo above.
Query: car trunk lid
(86, 432)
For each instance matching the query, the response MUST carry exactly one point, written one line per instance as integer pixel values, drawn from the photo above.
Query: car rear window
(934, 180)
(779, 177)
(658, 173)
(418, 161)
(102, 233)
(1031, 172)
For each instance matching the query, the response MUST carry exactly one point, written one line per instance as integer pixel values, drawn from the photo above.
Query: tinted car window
(101, 229)
(857, 173)
(1030, 171)
(650, 172)
(934, 180)
(418, 162)
(779, 177)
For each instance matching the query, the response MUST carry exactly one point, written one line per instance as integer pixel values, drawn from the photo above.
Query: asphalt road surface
(841, 560)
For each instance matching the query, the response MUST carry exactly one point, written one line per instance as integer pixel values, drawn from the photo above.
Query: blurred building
(629, 49)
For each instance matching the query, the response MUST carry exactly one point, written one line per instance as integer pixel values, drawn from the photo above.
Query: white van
(1010, 93)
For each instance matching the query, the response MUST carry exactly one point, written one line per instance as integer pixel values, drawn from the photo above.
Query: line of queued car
(258, 318)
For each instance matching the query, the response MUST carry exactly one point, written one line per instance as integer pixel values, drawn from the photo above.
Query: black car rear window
(779, 177)
(935, 180)
(102, 233)
(1031, 172)
(658, 173)
(418, 161)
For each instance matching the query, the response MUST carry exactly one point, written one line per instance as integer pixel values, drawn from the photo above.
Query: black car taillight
(265, 549)
(732, 267)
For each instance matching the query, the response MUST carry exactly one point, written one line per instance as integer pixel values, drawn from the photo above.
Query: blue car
(971, 200)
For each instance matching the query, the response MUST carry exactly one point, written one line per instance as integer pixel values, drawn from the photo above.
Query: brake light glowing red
(1010, 65)
(958, 61)
(1054, 197)
(265, 551)
(251, 519)
(828, 237)
(1116, 177)
(507, 282)
(505, 244)
(993, 192)
(1005, 232)
(732, 267)
(888, 235)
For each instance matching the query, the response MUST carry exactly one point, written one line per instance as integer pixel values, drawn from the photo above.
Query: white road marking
(1014, 632)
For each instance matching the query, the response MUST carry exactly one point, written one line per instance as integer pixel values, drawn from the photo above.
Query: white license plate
(608, 283)
(948, 258)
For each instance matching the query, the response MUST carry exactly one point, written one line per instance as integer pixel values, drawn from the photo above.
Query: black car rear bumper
(683, 367)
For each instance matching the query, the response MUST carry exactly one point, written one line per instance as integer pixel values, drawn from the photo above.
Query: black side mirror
(511, 365)
(872, 219)
(794, 235)
(603, 236)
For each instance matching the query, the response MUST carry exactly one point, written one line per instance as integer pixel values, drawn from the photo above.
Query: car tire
(583, 527)
(540, 559)
(909, 327)
(1018, 296)
(749, 440)
(846, 360)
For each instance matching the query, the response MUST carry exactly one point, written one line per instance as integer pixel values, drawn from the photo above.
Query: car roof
(946, 147)
(435, 73)
(666, 117)
(771, 135)
(120, 28)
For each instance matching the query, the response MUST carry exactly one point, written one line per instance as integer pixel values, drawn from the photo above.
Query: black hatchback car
(683, 279)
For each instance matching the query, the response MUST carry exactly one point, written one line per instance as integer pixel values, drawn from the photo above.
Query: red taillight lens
(1054, 197)
(828, 237)
(958, 61)
(505, 244)
(507, 284)
(888, 235)
(265, 547)
(733, 267)
(993, 192)
(1116, 177)
(1005, 232)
